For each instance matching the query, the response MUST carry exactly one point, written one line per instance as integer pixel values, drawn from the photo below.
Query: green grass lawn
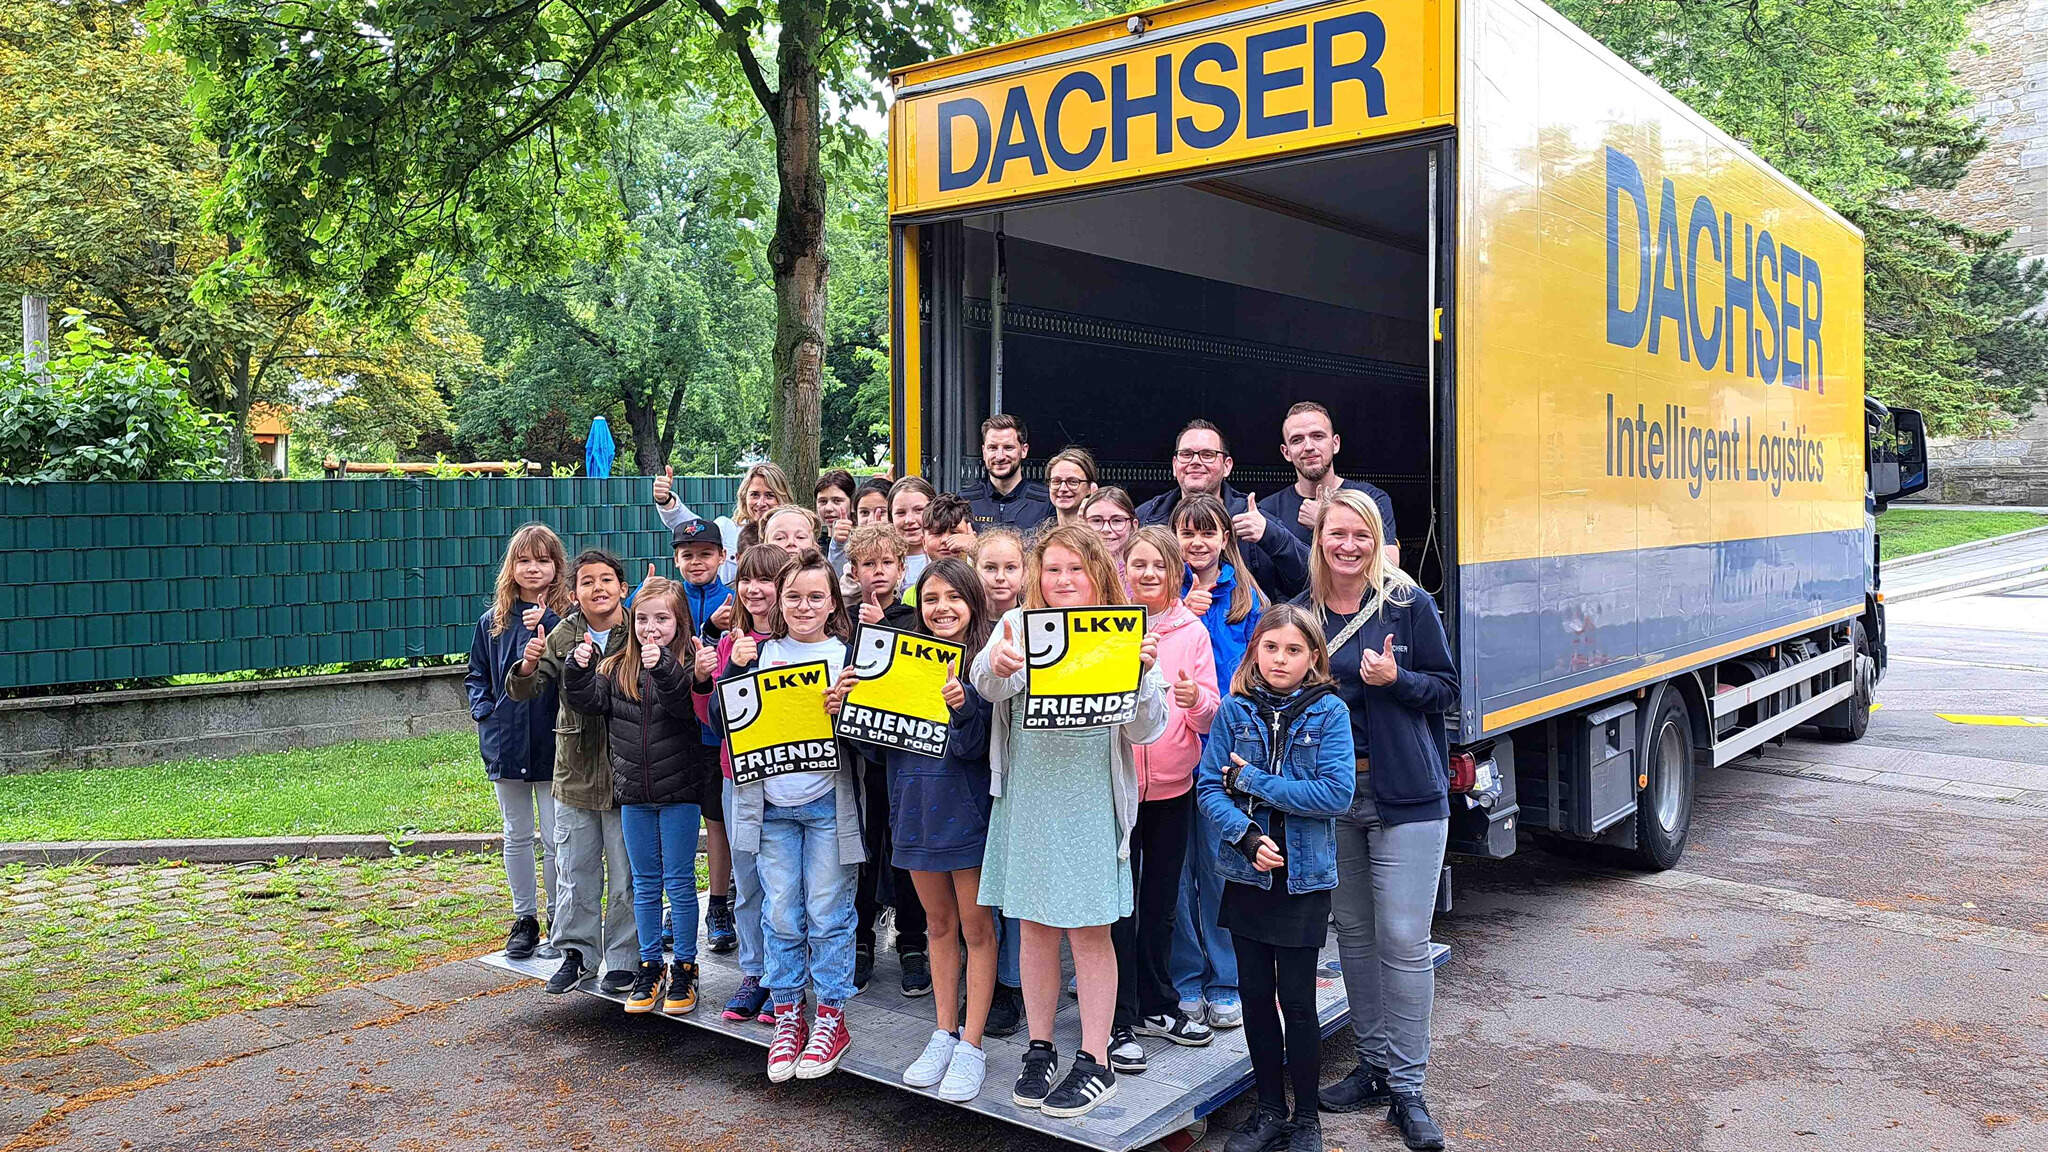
(1907, 531)
(430, 784)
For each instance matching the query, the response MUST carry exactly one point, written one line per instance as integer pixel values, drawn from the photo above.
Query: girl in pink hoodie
(1147, 1004)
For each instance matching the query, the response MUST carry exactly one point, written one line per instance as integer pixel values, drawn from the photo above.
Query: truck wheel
(1866, 688)
(1664, 807)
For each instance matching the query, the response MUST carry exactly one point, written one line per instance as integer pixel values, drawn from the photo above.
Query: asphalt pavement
(1844, 960)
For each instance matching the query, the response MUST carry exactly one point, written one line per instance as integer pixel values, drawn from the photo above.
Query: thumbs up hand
(584, 651)
(1184, 690)
(835, 696)
(650, 655)
(1310, 509)
(722, 619)
(954, 693)
(532, 617)
(1198, 600)
(1148, 652)
(842, 529)
(530, 659)
(664, 486)
(1006, 659)
(706, 663)
(1249, 524)
(1378, 668)
(744, 651)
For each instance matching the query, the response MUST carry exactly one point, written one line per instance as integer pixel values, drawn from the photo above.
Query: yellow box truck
(1607, 363)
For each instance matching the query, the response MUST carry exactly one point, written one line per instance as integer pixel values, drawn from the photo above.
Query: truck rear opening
(1236, 295)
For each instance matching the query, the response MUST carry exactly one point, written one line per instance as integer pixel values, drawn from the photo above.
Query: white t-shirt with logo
(794, 789)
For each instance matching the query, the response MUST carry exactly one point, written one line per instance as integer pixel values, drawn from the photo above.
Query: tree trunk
(796, 253)
(643, 422)
(241, 386)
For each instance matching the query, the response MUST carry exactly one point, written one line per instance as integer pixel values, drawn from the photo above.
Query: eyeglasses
(813, 599)
(1205, 455)
(1074, 482)
(1106, 523)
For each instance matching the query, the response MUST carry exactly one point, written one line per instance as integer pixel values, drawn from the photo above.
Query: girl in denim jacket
(1277, 773)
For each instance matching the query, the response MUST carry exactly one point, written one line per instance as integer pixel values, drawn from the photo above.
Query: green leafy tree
(1856, 101)
(361, 136)
(93, 412)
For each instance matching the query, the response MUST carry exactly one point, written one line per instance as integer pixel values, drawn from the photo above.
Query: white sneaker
(1195, 1010)
(1225, 1014)
(963, 1074)
(931, 1067)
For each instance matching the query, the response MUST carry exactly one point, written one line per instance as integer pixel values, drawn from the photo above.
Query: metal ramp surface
(1181, 1086)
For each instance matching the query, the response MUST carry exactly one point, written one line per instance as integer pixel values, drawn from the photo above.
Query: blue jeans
(1203, 962)
(661, 845)
(746, 899)
(1009, 942)
(807, 906)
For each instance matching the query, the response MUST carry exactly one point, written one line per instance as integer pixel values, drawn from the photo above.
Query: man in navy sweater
(1309, 441)
(1003, 496)
(1201, 463)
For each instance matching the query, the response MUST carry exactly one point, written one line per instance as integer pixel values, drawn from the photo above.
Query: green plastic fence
(118, 581)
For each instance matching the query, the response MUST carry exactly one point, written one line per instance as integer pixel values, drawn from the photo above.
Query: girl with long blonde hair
(517, 737)
(1065, 805)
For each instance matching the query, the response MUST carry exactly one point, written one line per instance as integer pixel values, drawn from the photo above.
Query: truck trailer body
(1606, 361)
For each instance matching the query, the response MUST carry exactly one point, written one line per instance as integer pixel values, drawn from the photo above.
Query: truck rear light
(1464, 771)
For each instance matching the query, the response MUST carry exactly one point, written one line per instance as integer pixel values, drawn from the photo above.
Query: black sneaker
(1177, 1028)
(646, 990)
(1004, 1016)
(1125, 1053)
(721, 935)
(1035, 1081)
(1306, 1136)
(569, 975)
(1409, 1114)
(618, 981)
(1263, 1131)
(863, 965)
(917, 974)
(523, 939)
(1365, 1087)
(1088, 1083)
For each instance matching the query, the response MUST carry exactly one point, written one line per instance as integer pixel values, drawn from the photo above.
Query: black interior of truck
(1125, 315)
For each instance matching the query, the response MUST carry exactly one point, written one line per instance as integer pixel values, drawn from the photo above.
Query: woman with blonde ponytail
(1392, 666)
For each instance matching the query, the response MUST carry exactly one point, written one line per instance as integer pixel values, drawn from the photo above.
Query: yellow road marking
(1995, 721)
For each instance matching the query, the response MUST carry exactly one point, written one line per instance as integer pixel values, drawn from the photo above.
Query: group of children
(1224, 786)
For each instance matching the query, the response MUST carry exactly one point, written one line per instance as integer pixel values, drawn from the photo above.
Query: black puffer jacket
(657, 749)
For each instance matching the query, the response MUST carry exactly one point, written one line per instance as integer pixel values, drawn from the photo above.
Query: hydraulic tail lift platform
(1180, 1086)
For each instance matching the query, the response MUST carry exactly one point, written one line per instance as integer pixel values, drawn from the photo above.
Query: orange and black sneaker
(646, 989)
(682, 990)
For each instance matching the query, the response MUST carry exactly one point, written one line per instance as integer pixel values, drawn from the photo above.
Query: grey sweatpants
(518, 802)
(1385, 899)
(592, 874)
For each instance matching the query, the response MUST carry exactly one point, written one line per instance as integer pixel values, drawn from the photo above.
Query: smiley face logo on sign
(1081, 666)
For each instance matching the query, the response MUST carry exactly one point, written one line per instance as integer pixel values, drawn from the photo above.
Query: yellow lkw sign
(1175, 99)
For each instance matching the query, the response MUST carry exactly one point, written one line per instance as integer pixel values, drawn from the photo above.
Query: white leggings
(518, 800)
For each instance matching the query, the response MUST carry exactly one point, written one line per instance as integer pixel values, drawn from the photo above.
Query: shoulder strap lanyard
(1344, 636)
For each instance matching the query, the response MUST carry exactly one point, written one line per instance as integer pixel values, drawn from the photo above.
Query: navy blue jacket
(1026, 507)
(517, 737)
(1284, 508)
(1312, 786)
(1400, 726)
(1278, 561)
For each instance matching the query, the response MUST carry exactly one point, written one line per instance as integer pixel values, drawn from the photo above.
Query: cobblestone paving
(90, 954)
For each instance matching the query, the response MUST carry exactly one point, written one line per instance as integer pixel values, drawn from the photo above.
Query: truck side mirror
(1910, 440)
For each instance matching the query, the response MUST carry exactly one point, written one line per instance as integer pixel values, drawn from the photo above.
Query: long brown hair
(1095, 558)
(531, 540)
(1283, 616)
(1203, 512)
(761, 562)
(623, 666)
(1163, 541)
(838, 625)
(777, 481)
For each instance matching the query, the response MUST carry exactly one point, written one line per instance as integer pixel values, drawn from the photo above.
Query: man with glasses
(1201, 464)
(1309, 441)
(1003, 496)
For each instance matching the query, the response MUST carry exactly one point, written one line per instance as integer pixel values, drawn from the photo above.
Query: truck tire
(1866, 688)
(1664, 807)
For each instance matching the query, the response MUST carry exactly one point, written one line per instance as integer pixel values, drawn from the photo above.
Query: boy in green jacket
(590, 844)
